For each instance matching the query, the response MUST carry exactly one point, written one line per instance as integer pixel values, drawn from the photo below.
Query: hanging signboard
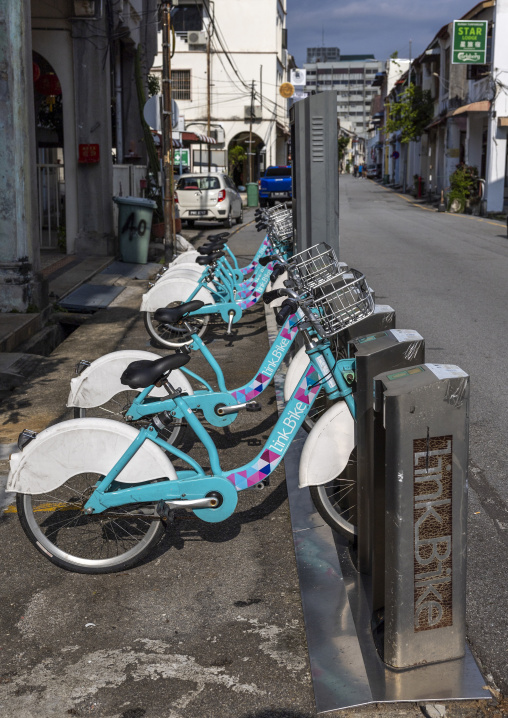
(470, 42)
(181, 155)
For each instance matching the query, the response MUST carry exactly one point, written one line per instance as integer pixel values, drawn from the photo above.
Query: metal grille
(181, 84)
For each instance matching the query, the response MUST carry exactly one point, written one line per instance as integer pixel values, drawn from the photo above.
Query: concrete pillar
(92, 82)
(20, 282)
(496, 143)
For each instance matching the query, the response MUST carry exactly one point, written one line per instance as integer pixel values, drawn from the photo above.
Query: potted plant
(462, 183)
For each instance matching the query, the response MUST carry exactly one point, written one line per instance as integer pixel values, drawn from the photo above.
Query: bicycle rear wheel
(116, 409)
(98, 543)
(175, 335)
(336, 501)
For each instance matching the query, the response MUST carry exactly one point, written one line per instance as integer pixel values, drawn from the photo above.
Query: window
(181, 84)
(278, 172)
(187, 18)
(191, 183)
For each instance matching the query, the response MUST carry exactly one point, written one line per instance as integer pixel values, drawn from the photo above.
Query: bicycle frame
(207, 400)
(192, 483)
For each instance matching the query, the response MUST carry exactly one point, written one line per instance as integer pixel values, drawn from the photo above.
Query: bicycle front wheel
(175, 335)
(98, 543)
(336, 501)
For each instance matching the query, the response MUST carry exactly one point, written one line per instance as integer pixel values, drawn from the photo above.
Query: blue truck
(275, 185)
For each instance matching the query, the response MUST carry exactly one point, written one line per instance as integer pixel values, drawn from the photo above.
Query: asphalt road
(446, 277)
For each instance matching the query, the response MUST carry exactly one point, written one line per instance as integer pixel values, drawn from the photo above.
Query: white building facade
(229, 62)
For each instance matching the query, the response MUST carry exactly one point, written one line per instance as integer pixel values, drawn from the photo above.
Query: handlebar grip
(266, 260)
(268, 297)
(278, 270)
(288, 307)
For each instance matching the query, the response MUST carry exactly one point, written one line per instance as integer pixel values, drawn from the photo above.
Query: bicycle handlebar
(268, 297)
(288, 307)
(266, 260)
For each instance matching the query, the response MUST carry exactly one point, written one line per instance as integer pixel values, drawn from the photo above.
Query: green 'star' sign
(470, 42)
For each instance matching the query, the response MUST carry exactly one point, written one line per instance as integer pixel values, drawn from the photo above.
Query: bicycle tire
(336, 501)
(119, 527)
(175, 335)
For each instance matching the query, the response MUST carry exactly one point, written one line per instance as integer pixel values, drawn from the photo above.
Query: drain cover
(90, 297)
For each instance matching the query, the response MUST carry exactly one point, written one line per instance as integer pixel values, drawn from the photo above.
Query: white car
(208, 196)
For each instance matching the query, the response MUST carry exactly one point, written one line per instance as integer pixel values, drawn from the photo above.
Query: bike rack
(419, 562)
(346, 646)
(374, 353)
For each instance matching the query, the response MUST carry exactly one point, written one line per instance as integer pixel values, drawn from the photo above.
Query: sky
(372, 27)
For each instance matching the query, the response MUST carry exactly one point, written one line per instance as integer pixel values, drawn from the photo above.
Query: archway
(243, 166)
(49, 136)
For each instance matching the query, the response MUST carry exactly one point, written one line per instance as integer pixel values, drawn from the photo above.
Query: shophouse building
(229, 61)
(70, 111)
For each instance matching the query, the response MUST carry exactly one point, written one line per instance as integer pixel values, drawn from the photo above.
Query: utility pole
(406, 151)
(208, 93)
(167, 126)
(250, 129)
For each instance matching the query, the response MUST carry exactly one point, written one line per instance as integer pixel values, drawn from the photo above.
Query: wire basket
(275, 210)
(315, 266)
(282, 229)
(343, 301)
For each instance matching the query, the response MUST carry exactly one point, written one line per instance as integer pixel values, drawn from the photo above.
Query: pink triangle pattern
(256, 472)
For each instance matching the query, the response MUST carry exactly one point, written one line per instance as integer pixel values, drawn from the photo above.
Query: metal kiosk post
(374, 353)
(423, 419)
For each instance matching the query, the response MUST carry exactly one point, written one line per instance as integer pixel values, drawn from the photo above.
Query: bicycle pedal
(166, 514)
(253, 406)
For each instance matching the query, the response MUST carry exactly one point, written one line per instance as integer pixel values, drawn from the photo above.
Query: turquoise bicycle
(94, 495)
(218, 286)
(97, 390)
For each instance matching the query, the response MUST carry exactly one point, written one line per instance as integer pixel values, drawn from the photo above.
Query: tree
(343, 143)
(411, 114)
(237, 157)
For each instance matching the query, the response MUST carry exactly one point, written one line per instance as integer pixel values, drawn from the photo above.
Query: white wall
(497, 139)
(252, 35)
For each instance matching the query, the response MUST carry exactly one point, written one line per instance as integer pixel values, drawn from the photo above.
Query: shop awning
(196, 137)
(483, 106)
(157, 138)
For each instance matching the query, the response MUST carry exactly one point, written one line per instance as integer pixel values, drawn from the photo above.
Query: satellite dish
(287, 90)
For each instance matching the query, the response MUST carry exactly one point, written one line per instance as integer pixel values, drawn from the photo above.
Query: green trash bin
(134, 227)
(252, 194)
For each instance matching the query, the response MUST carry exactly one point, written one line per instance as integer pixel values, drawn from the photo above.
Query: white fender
(84, 445)
(279, 284)
(328, 447)
(182, 270)
(100, 382)
(185, 271)
(164, 293)
(184, 258)
(297, 366)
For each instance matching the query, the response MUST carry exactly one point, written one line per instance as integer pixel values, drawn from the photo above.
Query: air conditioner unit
(298, 78)
(196, 37)
(218, 134)
(257, 112)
